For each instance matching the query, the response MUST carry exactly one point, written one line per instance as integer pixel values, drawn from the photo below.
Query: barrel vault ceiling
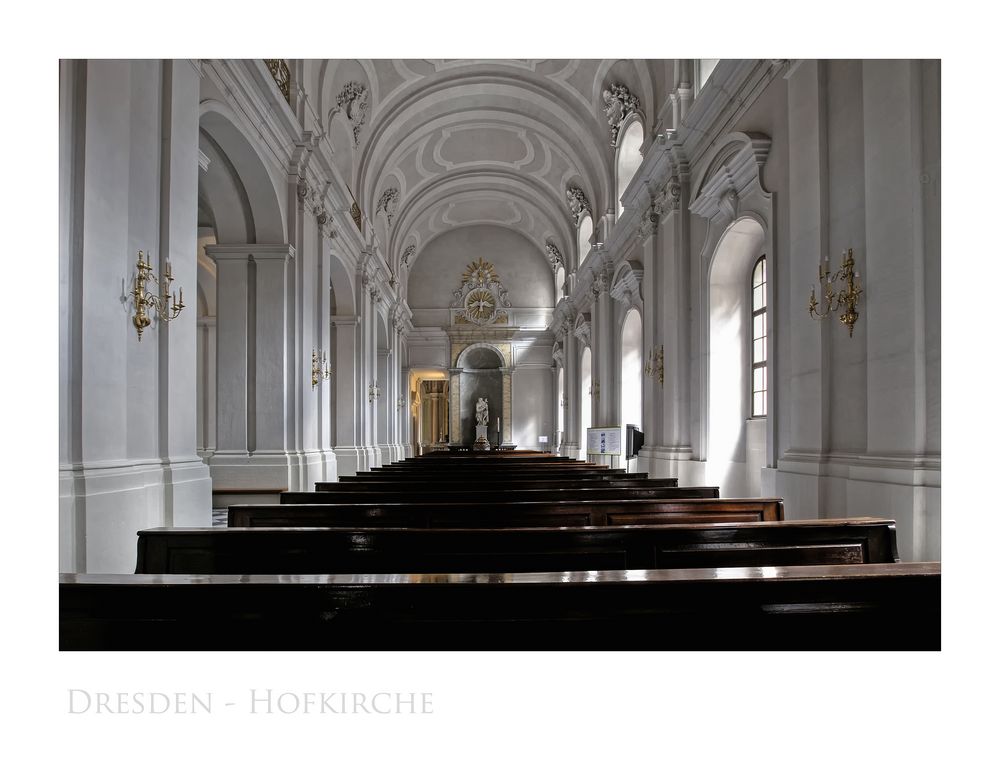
(477, 142)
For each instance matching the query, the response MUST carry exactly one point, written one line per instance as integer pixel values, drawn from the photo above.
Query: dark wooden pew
(357, 483)
(869, 606)
(374, 551)
(367, 484)
(509, 514)
(433, 493)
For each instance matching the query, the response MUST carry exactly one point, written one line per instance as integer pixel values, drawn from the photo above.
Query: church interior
(639, 339)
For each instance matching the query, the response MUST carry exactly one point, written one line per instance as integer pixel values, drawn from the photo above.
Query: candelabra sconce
(320, 368)
(595, 391)
(400, 402)
(165, 306)
(374, 392)
(654, 363)
(846, 298)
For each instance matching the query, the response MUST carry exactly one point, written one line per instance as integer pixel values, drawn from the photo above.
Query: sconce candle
(165, 306)
(847, 298)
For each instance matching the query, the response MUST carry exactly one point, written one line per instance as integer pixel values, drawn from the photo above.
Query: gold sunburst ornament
(479, 273)
(480, 305)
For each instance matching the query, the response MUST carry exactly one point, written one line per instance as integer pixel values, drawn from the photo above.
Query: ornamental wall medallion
(481, 298)
(619, 103)
(578, 203)
(353, 101)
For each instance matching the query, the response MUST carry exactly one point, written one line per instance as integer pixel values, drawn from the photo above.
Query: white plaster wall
(520, 265)
(531, 403)
(129, 407)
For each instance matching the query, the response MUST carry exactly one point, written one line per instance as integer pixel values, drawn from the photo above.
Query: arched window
(560, 283)
(586, 229)
(629, 158)
(759, 304)
(586, 402)
(631, 389)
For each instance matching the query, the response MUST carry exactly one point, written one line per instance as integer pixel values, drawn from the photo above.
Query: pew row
(509, 514)
(868, 606)
(364, 482)
(385, 550)
(432, 493)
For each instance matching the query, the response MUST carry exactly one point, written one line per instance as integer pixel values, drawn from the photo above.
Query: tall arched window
(586, 229)
(759, 378)
(629, 158)
(560, 283)
(586, 404)
(561, 400)
(631, 389)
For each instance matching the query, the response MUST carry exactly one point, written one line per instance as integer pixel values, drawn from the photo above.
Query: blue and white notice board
(604, 440)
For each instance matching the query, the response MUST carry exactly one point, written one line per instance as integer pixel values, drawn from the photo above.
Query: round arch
(628, 156)
(631, 369)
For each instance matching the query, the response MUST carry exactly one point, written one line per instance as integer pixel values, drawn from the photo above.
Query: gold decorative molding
(481, 297)
(282, 76)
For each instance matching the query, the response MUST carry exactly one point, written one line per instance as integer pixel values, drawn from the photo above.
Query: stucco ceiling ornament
(554, 256)
(407, 253)
(578, 203)
(619, 103)
(387, 203)
(353, 101)
(481, 296)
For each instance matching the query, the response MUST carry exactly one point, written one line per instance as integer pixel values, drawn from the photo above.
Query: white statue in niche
(482, 412)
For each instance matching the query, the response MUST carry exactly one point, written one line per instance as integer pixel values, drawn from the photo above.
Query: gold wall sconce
(846, 298)
(165, 306)
(654, 363)
(374, 392)
(320, 368)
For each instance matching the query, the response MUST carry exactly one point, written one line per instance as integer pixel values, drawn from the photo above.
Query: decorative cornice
(721, 193)
(578, 204)
(599, 284)
(619, 103)
(627, 285)
(353, 100)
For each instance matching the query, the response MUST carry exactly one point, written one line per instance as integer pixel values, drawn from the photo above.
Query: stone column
(348, 387)
(571, 392)
(252, 367)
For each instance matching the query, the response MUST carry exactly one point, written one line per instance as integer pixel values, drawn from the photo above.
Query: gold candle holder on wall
(846, 298)
(165, 306)
(320, 368)
(654, 363)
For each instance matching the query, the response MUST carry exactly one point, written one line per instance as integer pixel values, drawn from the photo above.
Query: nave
(510, 550)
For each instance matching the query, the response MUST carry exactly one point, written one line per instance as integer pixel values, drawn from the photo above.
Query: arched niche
(740, 215)
(481, 371)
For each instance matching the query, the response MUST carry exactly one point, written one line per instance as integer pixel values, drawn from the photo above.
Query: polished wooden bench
(494, 514)
(434, 493)
(459, 482)
(385, 550)
(868, 606)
